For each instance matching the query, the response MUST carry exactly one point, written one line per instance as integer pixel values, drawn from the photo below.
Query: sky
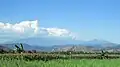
(77, 19)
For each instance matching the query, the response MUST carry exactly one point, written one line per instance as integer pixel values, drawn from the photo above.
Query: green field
(58, 60)
(62, 63)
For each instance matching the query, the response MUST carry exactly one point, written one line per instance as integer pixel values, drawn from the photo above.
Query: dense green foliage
(47, 57)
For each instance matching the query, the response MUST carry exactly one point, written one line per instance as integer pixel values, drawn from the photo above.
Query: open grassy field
(57, 60)
(62, 63)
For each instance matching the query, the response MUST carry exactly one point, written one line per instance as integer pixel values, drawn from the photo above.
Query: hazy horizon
(64, 19)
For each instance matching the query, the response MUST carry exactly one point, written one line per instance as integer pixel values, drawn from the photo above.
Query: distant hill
(58, 44)
(68, 47)
(51, 41)
(26, 47)
(73, 48)
(4, 48)
(100, 43)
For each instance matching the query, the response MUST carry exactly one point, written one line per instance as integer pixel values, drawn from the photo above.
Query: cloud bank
(27, 29)
(21, 27)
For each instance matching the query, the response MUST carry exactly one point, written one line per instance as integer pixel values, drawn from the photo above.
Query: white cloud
(20, 27)
(56, 31)
(31, 28)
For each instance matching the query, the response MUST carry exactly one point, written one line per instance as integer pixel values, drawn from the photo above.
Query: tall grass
(61, 63)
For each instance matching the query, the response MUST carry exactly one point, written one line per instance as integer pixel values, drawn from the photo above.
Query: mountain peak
(99, 40)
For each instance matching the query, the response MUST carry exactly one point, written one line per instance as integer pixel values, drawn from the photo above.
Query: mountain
(74, 48)
(49, 48)
(26, 47)
(4, 48)
(100, 43)
(59, 44)
(51, 41)
(46, 41)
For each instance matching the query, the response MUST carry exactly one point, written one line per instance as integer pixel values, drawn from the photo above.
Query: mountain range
(51, 41)
(57, 44)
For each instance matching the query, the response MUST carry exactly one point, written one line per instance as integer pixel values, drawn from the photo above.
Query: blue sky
(90, 19)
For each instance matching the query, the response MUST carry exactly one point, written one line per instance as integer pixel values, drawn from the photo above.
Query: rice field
(57, 60)
(62, 63)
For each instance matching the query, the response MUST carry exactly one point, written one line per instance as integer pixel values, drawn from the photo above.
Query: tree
(19, 49)
(103, 55)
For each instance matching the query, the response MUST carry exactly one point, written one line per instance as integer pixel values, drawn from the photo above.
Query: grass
(62, 63)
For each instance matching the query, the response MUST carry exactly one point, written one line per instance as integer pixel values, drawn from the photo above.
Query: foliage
(19, 49)
(61, 63)
(48, 57)
(2, 51)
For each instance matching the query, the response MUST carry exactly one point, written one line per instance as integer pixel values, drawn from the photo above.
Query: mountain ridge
(50, 44)
(49, 41)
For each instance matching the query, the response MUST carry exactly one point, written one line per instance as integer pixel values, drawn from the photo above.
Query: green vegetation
(19, 49)
(61, 63)
(22, 58)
